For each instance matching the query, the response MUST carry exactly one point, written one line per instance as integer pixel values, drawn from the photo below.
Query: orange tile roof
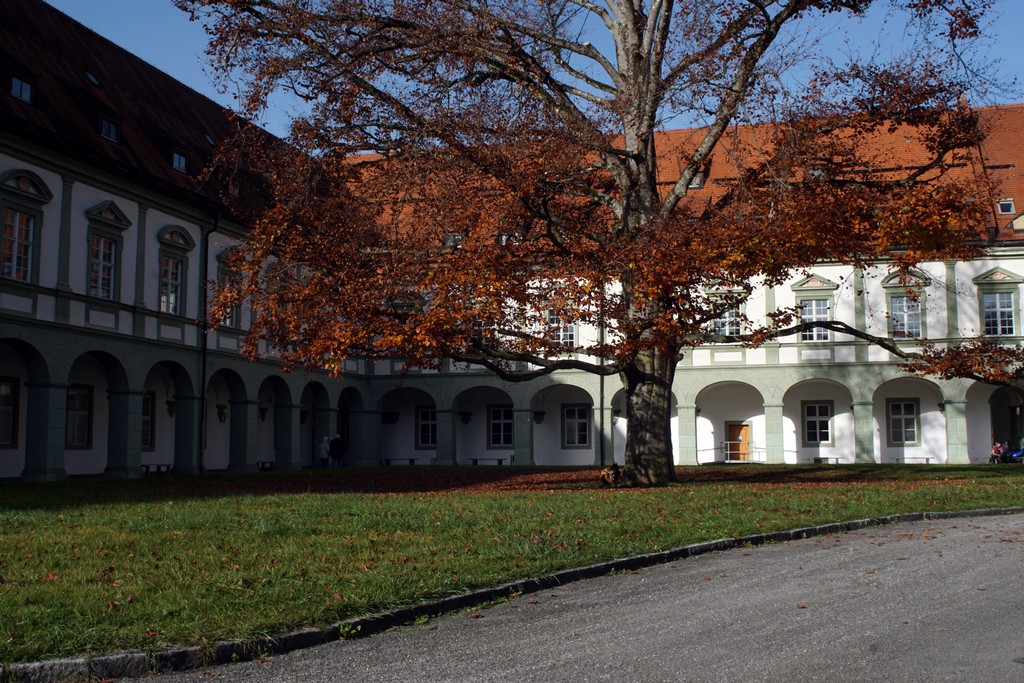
(79, 77)
(159, 115)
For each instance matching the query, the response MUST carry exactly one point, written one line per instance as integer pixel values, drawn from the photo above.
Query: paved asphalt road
(926, 601)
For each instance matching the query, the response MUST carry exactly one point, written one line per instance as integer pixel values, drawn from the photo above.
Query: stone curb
(138, 664)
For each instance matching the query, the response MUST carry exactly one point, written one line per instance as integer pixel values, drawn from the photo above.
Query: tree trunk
(648, 386)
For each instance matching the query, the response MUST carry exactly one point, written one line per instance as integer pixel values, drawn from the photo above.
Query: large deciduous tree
(465, 179)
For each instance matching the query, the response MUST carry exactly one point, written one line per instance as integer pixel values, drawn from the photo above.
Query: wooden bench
(399, 461)
(917, 460)
(264, 465)
(156, 468)
(497, 460)
(827, 459)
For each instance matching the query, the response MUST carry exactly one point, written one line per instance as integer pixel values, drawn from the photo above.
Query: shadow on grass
(15, 495)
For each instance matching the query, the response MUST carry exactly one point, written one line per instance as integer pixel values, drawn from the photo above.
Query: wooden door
(739, 442)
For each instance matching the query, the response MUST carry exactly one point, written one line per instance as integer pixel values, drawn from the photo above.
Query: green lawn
(97, 565)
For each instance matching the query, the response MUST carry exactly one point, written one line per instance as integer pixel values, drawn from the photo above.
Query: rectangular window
(817, 423)
(8, 412)
(499, 427)
(426, 427)
(1006, 206)
(997, 308)
(79, 417)
(148, 419)
(233, 315)
(729, 323)
(102, 266)
(814, 310)
(559, 330)
(16, 247)
(21, 89)
(905, 317)
(170, 284)
(903, 422)
(575, 426)
(110, 129)
(180, 162)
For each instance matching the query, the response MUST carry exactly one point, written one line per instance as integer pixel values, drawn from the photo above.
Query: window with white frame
(106, 225)
(814, 310)
(8, 412)
(575, 426)
(559, 330)
(814, 298)
(22, 196)
(171, 284)
(905, 316)
(148, 423)
(998, 311)
(728, 324)
(179, 161)
(499, 427)
(175, 244)
(16, 247)
(904, 421)
(426, 427)
(1006, 207)
(78, 432)
(110, 129)
(232, 314)
(102, 266)
(905, 296)
(21, 88)
(817, 423)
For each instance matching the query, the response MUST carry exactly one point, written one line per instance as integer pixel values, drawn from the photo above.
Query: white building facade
(109, 247)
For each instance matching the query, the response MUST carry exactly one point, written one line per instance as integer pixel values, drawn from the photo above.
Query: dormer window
(1006, 207)
(111, 130)
(697, 182)
(21, 89)
(92, 78)
(179, 161)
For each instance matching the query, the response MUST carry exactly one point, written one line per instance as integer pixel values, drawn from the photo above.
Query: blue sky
(163, 36)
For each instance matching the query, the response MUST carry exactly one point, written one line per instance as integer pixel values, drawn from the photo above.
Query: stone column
(124, 434)
(605, 443)
(688, 435)
(45, 426)
(773, 444)
(363, 438)
(956, 433)
(63, 303)
(325, 423)
(864, 431)
(286, 436)
(952, 304)
(522, 436)
(860, 315)
(446, 429)
(187, 439)
(242, 453)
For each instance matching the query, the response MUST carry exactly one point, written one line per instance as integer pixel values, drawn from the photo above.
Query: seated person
(610, 475)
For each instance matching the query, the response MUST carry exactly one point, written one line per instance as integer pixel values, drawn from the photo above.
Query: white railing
(740, 451)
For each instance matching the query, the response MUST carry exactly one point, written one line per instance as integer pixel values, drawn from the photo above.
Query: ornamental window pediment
(107, 214)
